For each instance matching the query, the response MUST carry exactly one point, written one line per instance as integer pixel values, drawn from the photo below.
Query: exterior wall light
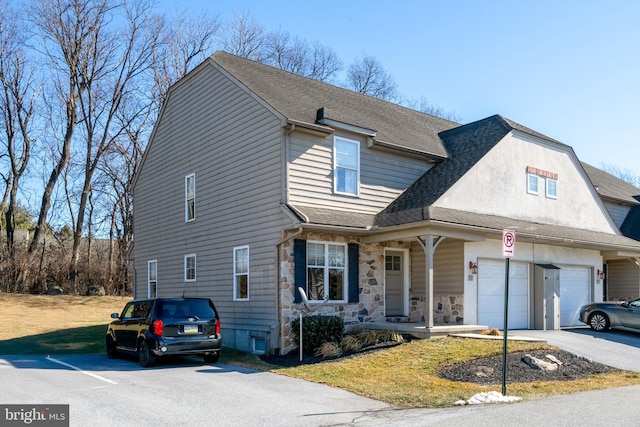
(473, 267)
(600, 274)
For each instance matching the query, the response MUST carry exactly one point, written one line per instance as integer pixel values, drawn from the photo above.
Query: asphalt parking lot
(103, 392)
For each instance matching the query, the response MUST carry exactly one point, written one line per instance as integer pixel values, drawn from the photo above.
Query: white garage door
(574, 293)
(491, 294)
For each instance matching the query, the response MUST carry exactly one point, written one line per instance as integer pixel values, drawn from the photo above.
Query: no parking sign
(508, 243)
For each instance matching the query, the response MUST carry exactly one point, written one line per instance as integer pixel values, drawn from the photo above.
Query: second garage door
(491, 294)
(574, 293)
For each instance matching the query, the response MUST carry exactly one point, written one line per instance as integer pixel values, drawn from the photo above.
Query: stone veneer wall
(370, 307)
(448, 309)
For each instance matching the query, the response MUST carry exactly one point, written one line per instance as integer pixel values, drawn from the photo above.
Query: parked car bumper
(179, 346)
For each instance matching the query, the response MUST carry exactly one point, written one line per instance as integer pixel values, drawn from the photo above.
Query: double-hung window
(346, 166)
(152, 279)
(190, 268)
(326, 271)
(190, 197)
(241, 273)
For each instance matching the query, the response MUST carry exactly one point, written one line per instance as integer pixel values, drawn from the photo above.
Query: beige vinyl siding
(448, 274)
(238, 180)
(623, 280)
(383, 174)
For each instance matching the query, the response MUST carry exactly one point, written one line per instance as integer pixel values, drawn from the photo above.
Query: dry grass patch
(48, 324)
(25, 314)
(407, 375)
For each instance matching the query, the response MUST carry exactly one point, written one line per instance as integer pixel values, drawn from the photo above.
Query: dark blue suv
(157, 327)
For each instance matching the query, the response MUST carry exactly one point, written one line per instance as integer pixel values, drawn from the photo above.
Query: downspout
(285, 195)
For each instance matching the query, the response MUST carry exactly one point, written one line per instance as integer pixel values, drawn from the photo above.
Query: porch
(420, 330)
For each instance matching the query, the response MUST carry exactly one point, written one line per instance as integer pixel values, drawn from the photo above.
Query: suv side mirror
(115, 316)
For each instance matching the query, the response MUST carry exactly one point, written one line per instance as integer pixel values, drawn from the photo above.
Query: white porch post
(428, 299)
(429, 248)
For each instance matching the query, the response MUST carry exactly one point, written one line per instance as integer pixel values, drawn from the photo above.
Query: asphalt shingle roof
(299, 98)
(466, 145)
(612, 187)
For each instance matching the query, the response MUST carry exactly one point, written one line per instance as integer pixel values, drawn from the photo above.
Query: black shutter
(300, 269)
(354, 267)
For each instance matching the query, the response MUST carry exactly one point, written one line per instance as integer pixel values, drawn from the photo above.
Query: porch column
(429, 247)
(428, 295)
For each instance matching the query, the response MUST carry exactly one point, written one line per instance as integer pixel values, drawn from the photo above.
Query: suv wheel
(112, 353)
(211, 358)
(145, 357)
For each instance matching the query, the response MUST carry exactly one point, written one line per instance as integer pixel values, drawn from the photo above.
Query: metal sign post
(508, 251)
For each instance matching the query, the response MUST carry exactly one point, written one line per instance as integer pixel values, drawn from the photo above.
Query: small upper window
(152, 278)
(532, 183)
(190, 268)
(346, 167)
(552, 188)
(190, 197)
(241, 273)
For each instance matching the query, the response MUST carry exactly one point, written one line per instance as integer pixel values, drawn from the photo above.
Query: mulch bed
(488, 371)
(293, 358)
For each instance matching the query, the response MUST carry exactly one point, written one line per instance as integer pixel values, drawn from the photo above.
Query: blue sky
(568, 69)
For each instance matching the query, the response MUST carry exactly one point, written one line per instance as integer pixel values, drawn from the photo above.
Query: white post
(301, 334)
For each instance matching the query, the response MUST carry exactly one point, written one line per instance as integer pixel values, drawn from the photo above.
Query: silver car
(601, 316)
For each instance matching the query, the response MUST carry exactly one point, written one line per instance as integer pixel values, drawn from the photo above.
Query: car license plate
(190, 329)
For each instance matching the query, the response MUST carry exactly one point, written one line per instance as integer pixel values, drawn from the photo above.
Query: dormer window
(346, 166)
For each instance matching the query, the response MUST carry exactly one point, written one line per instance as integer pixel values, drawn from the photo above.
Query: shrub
(350, 343)
(368, 338)
(493, 332)
(390, 336)
(329, 349)
(317, 330)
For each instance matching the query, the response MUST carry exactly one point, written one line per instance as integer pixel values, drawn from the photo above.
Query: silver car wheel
(599, 322)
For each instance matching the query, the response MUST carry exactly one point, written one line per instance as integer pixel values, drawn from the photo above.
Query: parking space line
(60, 362)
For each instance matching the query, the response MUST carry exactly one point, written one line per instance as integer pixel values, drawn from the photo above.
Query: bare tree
(626, 175)
(108, 76)
(17, 105)
(367, 76)
(245, 37)
(65, 28)
(423, 105)
(297, 56)
(184, 43)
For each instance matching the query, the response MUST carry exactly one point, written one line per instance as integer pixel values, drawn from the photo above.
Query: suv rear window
(186, 308)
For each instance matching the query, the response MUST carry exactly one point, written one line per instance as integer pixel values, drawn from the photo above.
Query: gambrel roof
(466, 145)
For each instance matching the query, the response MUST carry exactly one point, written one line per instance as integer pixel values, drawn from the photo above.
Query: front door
(396, 291)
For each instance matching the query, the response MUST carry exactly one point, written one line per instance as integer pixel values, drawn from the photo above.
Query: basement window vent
(258, 345)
